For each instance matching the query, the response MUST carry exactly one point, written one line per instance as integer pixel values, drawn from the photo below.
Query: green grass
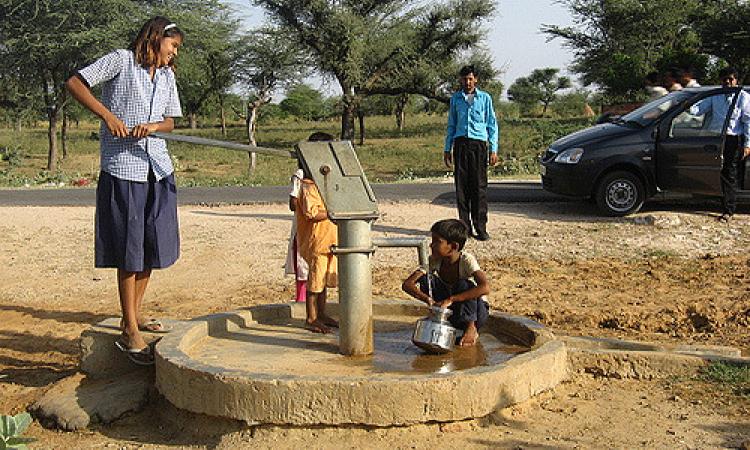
(732, 376)
(387, 156)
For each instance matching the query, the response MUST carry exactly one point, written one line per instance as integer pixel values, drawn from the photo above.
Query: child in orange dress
(315, 236)
(295, 263)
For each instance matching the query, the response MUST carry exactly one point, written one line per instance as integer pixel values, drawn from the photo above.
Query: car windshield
(653, 110)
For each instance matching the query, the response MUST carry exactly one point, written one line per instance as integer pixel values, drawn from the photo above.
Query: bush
(304, 102)
(12, 155)
(507, 111)
(735, 377)
(270, 114)
(523, 140)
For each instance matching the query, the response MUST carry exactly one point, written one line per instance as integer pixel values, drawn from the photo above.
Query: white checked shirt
(135, 99)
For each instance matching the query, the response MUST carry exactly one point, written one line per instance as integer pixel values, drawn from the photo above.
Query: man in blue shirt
(737, 141)
(471, 127)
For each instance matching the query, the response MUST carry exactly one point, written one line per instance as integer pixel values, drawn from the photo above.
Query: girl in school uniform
(136, 226)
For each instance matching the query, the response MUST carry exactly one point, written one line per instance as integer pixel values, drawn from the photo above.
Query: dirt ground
(670, 274)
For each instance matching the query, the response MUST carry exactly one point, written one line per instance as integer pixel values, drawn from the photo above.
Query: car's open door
(690, 143)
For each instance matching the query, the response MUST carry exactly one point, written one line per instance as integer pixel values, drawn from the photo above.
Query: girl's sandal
(142, 357)
(151, 326)
(154, 326)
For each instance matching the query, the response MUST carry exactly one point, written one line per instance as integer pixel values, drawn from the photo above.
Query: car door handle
(711, 148)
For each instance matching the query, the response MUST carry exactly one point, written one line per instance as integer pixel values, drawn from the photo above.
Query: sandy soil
(670, 274)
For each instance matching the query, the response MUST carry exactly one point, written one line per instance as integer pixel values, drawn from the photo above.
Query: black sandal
(142, 357)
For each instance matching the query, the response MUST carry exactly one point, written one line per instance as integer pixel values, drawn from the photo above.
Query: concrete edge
(595, 343)
(373, 400)
(99, 358)
(643, 364)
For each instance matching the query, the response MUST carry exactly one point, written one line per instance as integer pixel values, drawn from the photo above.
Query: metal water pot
(434, 333)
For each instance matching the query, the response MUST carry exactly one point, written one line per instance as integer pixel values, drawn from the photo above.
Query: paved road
(499, 192)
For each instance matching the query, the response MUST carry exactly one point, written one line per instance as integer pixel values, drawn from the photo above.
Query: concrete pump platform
(259, 365)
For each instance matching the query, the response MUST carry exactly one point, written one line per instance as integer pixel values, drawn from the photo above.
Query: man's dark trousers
(731, 176)
(470, 175)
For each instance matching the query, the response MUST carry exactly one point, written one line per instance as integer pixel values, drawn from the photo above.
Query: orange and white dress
(315, 238)
(295, 264)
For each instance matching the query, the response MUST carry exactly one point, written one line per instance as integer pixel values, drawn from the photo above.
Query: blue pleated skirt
(136, 226)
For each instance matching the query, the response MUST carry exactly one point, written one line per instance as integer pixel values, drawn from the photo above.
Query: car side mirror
(607, 117)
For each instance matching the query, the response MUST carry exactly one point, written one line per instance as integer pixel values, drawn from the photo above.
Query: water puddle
(286, 348)
(395, 353)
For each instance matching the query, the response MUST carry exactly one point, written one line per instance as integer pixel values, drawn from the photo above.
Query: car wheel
(620, 193)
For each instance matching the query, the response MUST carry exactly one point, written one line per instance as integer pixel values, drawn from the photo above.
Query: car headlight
(570, 156)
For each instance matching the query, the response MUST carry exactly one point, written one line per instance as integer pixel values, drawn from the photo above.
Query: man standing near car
(672, 79)
(737, 141)
(688, 80)
(471, 127)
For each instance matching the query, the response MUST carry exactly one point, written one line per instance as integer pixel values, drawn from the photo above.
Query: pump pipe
(224, 144)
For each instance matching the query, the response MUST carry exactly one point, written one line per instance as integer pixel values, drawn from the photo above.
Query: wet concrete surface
(285, 348)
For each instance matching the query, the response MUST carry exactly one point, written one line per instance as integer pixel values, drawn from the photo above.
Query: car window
(653, 110)
(700, 119)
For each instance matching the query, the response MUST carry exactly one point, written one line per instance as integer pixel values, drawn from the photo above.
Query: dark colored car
(661, 146)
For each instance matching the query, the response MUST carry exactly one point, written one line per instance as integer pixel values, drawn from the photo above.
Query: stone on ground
(75, 402)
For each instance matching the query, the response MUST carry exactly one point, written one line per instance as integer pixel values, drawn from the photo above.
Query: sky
(514, 39)
(519, 47)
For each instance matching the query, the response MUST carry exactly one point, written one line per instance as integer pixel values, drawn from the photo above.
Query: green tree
(43, 42)
(364, 44)
(572, 104)
(494, 88)
(303, 102)
(539, 87)
(722, 25)
(525, 94)
(18, 100)
(332, 107)
(265, 61)
(616, 42)
(204, 63)
(437, 79)
(271, 114)
(224, 107)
